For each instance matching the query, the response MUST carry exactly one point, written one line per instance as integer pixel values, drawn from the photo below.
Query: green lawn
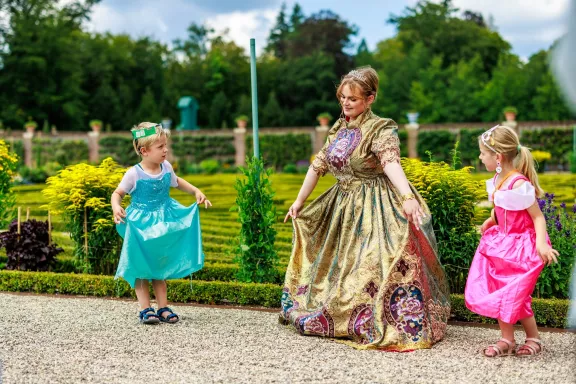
(219, 225)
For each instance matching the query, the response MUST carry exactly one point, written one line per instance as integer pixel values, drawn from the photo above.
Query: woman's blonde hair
(362, 81)
(148, 141)
(504, 140)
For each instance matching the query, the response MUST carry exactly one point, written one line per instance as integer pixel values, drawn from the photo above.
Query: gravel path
(87, 340)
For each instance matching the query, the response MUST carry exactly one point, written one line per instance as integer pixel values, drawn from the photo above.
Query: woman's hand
(119, 214)
(413, 212)
(201, 199)
(294, 210)
(547, 253)
(487, 224)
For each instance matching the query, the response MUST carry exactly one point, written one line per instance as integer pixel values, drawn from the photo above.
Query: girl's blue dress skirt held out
(162, 238)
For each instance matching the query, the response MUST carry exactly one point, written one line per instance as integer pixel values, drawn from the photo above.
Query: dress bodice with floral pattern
(358, 150)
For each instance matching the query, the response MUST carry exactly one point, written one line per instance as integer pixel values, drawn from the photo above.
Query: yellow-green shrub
(80, 192)
(451, 196)
(8, 164)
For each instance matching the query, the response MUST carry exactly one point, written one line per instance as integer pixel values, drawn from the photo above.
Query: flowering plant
(81, 193)
(8, 164)
(561, 226)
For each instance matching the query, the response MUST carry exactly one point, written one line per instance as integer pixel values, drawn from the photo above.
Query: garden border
(549, 312)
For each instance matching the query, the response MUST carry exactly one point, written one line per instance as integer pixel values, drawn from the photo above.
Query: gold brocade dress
(359, 270)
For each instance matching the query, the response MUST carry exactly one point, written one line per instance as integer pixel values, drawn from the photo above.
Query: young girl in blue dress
(162, 238)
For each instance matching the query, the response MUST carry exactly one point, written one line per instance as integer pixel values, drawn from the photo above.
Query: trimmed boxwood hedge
(548, 312)
(218, 271)
(181, 291)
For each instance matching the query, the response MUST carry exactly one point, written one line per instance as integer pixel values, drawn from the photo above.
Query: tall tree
(363, 54)
(278, 35)
(196, 45)
(297, 17)
(272, 113)
(219, 110)
(443, 33)
(40, 71)
(148, 110)
(323, 32)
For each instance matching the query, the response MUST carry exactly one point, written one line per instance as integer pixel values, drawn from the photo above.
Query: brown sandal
(532, 351)
(499, 351)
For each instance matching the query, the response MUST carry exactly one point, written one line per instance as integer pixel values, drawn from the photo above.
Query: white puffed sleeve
(128, 181)
(173, 177)
(516, 199)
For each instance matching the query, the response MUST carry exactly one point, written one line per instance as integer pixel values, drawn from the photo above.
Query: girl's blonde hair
(504, 140)
(148, 141)
(362, 81)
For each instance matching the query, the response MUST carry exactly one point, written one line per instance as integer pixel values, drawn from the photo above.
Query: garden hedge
(549, 312)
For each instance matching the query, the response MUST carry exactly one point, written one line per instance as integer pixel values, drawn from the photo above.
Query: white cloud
(546, 34)
(515, 11)
(243, 26)
(522, 21)
(104, 18)
(170, 21)
(164, 22)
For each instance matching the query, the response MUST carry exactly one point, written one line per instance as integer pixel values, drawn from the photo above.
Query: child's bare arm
(116, 202)
(546, 253)
(185, 186)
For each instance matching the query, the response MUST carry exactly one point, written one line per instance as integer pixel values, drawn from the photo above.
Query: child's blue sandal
(167, 319)
(147, 316)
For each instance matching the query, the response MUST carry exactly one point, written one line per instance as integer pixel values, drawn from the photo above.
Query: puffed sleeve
(490, 187)
(386, 144)
(517, 199)
(128, 181)
(320, 163)
(173, 177)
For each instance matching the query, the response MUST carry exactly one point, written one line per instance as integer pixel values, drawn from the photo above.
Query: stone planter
(324, 121)
(96, 127)
(412, 117)
(30, 128)
(510, 116)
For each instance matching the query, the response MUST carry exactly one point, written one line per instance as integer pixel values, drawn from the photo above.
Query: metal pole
(254, 98)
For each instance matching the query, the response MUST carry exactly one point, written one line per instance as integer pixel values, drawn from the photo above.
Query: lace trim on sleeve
(320, 164)
(387, 148)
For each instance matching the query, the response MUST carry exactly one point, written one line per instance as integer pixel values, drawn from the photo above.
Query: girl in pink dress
(514, 246)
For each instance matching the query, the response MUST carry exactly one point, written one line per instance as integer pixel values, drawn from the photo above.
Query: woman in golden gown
(364, 264)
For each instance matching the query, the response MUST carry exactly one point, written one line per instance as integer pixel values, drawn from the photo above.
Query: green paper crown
(143, 132)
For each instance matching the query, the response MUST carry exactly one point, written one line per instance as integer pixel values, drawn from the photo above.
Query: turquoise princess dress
(162, 238)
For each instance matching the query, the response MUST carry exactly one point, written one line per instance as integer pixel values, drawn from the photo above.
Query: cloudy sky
(529, 25)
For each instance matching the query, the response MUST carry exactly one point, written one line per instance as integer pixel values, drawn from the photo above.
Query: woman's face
(354, 104)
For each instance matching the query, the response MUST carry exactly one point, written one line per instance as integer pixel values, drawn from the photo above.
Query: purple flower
(541, 204)
(574, 208)
(558, 225)
(563, 205)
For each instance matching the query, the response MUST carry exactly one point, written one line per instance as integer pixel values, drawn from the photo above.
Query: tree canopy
(449, 65)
